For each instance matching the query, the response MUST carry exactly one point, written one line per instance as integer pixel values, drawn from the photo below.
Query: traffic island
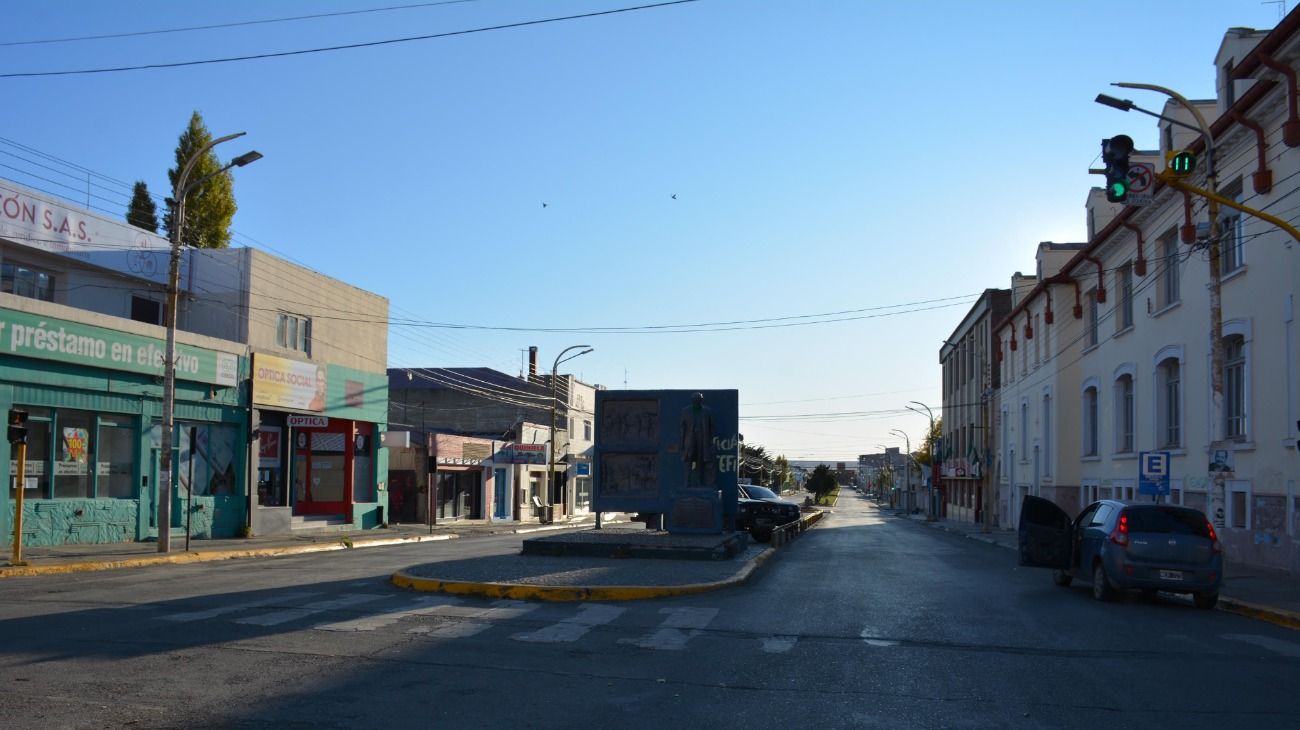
(635, 543)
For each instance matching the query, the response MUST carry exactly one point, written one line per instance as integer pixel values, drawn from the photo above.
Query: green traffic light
(1118, 189)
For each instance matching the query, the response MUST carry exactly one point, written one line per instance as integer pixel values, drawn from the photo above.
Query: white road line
(869, 634)
(477, 619)
(220, 610)
(590, 615)
(779, 644)
(419, 606)
(680, 626)
(275, 618)
(1285, 648)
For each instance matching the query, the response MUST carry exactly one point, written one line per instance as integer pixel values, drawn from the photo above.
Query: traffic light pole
(21, 475)
(1217, 424)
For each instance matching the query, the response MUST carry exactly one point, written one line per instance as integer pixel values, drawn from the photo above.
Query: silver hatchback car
(1121, 545)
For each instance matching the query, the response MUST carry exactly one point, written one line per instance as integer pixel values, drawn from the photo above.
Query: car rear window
(1166, 520)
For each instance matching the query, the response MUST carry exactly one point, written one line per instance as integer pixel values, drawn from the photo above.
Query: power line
(138, 33)
(345, 47)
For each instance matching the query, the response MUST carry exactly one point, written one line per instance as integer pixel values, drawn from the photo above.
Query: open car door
(1045, 532)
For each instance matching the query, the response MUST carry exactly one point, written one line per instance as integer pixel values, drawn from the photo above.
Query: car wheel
(1062, 578)
(1101, 587)
(1206, 601)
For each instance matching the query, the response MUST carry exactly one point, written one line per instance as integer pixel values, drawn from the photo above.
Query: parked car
(1121, 545)
(760, 510)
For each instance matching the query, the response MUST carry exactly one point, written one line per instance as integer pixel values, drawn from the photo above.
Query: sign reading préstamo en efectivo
(27, 335)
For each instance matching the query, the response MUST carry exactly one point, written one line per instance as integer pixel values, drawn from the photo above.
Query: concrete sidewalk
(1261, 593)
(58, 559)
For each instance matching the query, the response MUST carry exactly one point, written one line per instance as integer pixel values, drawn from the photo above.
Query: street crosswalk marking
(1285, 648)
(779, 644)
(232, 608)
(869, 634)
(680, 626)
(476, 619)
(419, 606)
(590, 615)
(275, 618)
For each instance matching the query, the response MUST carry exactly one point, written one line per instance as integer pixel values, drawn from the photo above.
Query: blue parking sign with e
(1153, 472)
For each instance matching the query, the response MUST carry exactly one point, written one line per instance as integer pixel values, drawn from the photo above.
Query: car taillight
(1120, 535)
(1215, 545)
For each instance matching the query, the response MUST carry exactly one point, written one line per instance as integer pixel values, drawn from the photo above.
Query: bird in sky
(674, 196)
(543, 205)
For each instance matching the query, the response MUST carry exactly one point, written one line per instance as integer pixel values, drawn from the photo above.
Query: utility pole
(550, 461)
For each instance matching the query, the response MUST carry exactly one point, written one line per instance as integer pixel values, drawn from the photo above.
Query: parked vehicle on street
(1121, 545)
(760, 510)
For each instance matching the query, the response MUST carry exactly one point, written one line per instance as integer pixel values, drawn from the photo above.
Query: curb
(89, 566)
(1276, 616)
(525, 591)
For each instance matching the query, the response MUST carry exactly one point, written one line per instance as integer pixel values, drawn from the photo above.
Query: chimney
(532, 362)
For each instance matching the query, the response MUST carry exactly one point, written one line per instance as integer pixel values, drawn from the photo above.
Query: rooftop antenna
(523, 362)
(1281, 7)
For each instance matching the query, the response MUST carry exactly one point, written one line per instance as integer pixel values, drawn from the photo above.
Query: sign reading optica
(27, 335)
(284, 383)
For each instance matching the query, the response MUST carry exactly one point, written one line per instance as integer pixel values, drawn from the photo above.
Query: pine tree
(210, 206)
(142, 213)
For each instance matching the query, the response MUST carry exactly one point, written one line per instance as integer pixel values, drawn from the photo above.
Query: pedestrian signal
(1180, 162)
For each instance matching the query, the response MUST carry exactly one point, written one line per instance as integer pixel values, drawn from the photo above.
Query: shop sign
(27, 335)
(524, 454)
(583, 469)
(307, 421)
(283, 383)
(455, 461)
(40, 223)
(476, 452)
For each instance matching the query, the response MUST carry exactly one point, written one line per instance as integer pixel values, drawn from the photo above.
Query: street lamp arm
(194, 158)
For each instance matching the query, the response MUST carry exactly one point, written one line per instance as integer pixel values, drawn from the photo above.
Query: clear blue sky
(826, 156)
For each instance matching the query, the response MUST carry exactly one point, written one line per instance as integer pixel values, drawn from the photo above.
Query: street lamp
(550, 462)
(179, 192)
(934, 468)
(907, 470)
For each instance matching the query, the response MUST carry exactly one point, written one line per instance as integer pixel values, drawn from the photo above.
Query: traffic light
(17, 426)
(1180, 162)
(1115, 152)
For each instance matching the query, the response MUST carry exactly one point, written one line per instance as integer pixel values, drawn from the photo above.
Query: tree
(822, 482)
(922, 456)
(210, 206)
(142, 213)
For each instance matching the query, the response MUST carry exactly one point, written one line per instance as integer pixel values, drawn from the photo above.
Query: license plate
(1171, 575)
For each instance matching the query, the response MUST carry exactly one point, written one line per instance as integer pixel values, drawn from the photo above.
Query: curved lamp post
(934, 468)
(550, 461)
(907, 468)
(179, 193)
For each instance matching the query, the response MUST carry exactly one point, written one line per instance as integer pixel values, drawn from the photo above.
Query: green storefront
(93, 395)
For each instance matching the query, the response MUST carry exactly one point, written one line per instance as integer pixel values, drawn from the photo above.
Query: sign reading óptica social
(27, 335)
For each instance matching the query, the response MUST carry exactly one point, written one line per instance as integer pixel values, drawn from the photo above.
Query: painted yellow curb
(203, 556)
(1277, 616)
(532, 592)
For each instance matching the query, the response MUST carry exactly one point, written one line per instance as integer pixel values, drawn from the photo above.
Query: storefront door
(322, 467)
(499, 494)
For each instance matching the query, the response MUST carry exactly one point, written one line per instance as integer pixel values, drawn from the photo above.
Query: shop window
(207, 464)
(73, 430)
(293, 332)
(26, 281)
(582, 493)
(115, 460)
(37, 472)
(363, 477)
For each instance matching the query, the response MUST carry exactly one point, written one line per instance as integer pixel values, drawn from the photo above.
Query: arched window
(1235, 387)
(1124, 414)
(1169, 404)
(1090, 421)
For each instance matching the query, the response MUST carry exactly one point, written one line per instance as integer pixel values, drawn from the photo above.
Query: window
(1170, 403)
(1038, 338)
(72, 455)
(1169, 261)
(146, 310)
(1102, 514)
(1231, 243)
(293, 332)
(115, 460)
(1234, 387)
(1024, 429)
(1090, 421)
(1124, 414)
(1238, 505)
(586, 430)
(1125, 276)
(25, 281)
(1092, 318)
(1047, 434)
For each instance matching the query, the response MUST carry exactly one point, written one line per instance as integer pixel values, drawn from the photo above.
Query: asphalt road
(867, 621)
